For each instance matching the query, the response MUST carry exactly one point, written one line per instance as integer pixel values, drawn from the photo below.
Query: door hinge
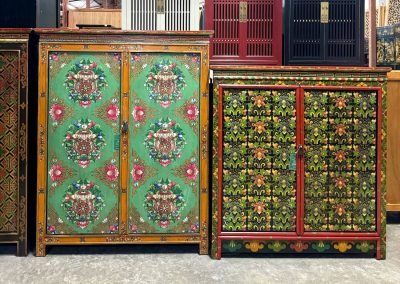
(324, 12)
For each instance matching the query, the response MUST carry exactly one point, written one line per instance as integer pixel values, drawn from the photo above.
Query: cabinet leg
(40, 250)
(22, 249)
(203, 247)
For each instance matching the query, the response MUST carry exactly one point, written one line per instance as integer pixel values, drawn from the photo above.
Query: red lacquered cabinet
(245, 32)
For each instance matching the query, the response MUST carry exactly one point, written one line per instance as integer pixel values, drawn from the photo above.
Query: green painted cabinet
(299, 160)
(123, 123)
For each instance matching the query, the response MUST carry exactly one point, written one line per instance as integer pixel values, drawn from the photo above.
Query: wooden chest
(123, 138)
(13, 137)
(299, 160)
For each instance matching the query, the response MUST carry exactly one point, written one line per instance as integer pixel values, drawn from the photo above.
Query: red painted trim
(301, 162)
(220, 156)
(263, 234)
(299, 238)
(336, 88)
(298, 165)
(378, 162)
(277, 32)
(272, 87)
(331, 234)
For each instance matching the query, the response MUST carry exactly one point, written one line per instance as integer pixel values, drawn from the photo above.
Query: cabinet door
(258, 137)
(9, 104)
(341, 159)
(164, 143)
(83, 142)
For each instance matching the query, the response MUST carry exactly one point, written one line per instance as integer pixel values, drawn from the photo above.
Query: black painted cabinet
(324, 32)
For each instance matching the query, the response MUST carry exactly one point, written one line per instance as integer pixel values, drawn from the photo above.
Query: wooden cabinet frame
(125, 42)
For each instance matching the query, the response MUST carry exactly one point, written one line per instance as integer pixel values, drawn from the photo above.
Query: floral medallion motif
(85, 82)
(83, 142)
(165, 83)
(58, 112)
(110, 112)
(83, 203)
(165, 141)
(164, 202)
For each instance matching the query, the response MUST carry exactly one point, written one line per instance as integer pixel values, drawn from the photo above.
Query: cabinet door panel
(164, 143)
(259, 168)
(9, 103)
(340, 160)
(83, 143)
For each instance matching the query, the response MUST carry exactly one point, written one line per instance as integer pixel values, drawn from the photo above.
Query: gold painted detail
(42, 141)
(343, 246)
(22, 142)
(204, 146)
(204, 238)
(123, 239)
(254, 246)
(22, 218)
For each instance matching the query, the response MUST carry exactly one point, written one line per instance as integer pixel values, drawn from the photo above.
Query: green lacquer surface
(179, 111)
(63, 210)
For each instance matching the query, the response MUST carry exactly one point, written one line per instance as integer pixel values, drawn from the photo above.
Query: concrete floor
(157, 264)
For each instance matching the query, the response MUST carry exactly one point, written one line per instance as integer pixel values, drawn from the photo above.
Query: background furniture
(245, 32)
(170, 15)
(299, 160)
(94, 17)
(123, 138)
(393, 171)
(388, 46)
(324, 32)
(13, 137)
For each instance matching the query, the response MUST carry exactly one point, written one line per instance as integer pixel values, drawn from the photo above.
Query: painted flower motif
(111, 172)
(259, 180)
(133, 228)
(196, 59)
(113, 229)
(259, 101)
(194, 227)
(54, 56)
(259, 207)
(299, 246)
(51, 229)
(191, 171)
(254, 246)
(340, 103)
(136, 57)
(259, 127)
(340, 156)
(340, 182)
(343, 246)
(57, 112)
(192, 112)
(113, 112)
(340, 129)
(85, 104)
(340, 209)
(259, 153)
(137, 172)
(138, 113)
(56, 172)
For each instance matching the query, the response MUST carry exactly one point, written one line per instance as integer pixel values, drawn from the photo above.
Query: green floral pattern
(259, 138)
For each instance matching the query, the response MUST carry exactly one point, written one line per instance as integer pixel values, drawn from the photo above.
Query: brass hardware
(324, 12)
(300, 150)
(242, 11)
(124, 127)
(160, 8)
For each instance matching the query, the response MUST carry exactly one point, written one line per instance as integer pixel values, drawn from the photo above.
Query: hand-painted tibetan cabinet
(13, 137)
(299, 160)
(123, 131)
(388, 46)
(322, 32)
(246, 31)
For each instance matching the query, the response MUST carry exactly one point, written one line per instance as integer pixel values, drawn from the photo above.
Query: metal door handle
(300, 150)
(124, 127)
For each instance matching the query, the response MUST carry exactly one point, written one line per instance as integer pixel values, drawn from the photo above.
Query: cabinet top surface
(114, 32)
(222, 68)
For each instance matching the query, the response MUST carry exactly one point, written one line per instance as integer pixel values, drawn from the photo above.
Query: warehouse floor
(172, 264)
